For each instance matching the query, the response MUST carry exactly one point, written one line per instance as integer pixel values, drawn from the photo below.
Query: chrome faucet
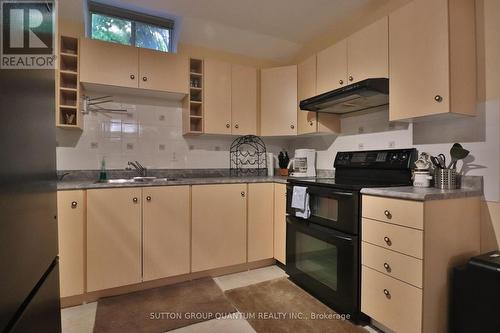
(141, 171)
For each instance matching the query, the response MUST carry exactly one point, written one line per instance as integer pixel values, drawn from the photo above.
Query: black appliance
(475, 299)
(323, 251)
(366, 94)
(29, 283)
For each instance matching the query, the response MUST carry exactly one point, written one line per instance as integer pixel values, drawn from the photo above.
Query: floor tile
(79, 319)
(230, 324)
(244, 279)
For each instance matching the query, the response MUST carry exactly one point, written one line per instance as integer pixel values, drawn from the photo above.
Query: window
(127, 27)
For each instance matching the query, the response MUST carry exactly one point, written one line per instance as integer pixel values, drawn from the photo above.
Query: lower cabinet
(71, 225)
(113, 238)
(280, 222)
(260, 221)
(166, 231)
(219, 236)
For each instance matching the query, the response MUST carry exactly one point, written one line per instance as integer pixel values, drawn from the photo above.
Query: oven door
(325, 262)
(330, 207)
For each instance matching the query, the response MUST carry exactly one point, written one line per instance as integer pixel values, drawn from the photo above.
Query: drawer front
(400, 310)
(393, 237)
(397, 265)
(403, 212)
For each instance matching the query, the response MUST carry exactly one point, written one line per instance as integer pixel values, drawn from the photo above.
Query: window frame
(94, 7)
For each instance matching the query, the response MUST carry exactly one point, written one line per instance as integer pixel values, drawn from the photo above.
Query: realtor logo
(28, 32)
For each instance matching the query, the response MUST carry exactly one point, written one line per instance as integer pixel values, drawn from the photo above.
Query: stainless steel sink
(127, 181)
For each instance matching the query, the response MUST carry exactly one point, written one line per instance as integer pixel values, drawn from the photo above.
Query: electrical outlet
(392, 144)
(217, 148)
(361, 129)
(174, 157)
(361, 146)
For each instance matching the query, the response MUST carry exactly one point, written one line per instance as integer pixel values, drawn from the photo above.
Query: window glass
(152, 37)
(111, 29)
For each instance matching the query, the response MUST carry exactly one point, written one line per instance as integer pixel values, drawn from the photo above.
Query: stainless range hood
(363, 95)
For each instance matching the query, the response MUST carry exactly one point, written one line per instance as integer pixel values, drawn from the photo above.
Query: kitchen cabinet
(280, 223)
(166, 231)
(219, 235)
(107, 63)
(432, 59)
(71, 224)
(243, 100)
(408, 250)
(131, 67)
(260, 221)
(312, 122)
(163, 71)
(279, 101)
(217, 94)
(332, 67)
(113, 238)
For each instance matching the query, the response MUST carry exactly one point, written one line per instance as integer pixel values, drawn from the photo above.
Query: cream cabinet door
(368, 52)
(219, 236)
(280, 223)
(109, 63)
(419, 60)
(306, 88)
(217, 94)
(71, 225)
(113, 238)
(332, 67)
(260, 221)
(163, 71)
(166, 231)
(244, 100)
(279, 101)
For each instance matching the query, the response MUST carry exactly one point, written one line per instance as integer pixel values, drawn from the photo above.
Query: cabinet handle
(351, 78)
(227, 125)
(144, 79)
(438, 98)
(387, 267)
(292, 126)
(132, 76)
(74, 204)
(135, 200)
(236, 126)
(388, 214)
(387, 293)
(341, 82)
(148, 198)
(243, 194)
(387, 240)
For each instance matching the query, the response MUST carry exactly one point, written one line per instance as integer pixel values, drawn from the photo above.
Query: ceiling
(271, 29)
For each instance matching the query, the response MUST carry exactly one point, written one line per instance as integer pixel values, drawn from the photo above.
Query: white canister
(422, 179)
(270, 164)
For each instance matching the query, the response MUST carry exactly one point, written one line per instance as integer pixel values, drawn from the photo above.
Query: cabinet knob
(132, 76)
(236, 126)
(341, 82)
(387, 267)
(243, 194)
(135, 200)
(292, 126)
(227, 125)
(74, 204)
(387, 214)
(438, 98)
(311, 123)
(388, 241)
(351, 78)
(144, 79)
(148, 198)
(387, 293)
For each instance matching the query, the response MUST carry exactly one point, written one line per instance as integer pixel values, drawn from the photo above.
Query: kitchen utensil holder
(446, 179)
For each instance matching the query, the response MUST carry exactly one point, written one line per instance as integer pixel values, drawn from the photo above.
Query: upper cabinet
(432, 59)
(131, 67)
(243, 100)
(279, 101)
(361, 56)
(217, 92)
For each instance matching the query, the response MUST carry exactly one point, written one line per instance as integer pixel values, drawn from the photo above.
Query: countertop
(92, 184)
(422, 194)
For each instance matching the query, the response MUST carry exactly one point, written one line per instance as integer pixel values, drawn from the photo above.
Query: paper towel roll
(270, 164)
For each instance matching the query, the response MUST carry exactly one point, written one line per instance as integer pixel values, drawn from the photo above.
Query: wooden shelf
(68, 89)
(195, 74)
(196, 88)
(68, 72)
(72, 55)
(193, 106)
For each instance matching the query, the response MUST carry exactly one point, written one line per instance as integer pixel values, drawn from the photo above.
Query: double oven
(322, 251)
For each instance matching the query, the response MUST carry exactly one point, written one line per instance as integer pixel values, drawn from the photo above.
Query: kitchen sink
(135, 180)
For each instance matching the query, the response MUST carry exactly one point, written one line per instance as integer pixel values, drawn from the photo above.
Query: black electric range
(323, 250)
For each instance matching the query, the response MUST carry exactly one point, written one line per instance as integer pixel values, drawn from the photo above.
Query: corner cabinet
(432, 59)
(279, 101)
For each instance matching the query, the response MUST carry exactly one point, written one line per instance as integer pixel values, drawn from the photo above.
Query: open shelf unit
(193, 105)
(68, 113)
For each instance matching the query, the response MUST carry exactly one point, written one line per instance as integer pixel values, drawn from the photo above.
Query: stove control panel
(379, 159)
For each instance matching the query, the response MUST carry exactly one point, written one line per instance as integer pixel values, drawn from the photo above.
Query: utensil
(457, 153)
(442, 161)
(436, 163)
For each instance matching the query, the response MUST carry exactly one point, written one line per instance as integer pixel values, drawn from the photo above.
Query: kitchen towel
(306, 212)
(299, 197)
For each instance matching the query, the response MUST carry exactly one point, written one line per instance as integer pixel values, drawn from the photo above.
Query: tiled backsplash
(150, 132)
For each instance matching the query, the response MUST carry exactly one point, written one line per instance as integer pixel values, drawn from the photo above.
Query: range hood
(366, 94)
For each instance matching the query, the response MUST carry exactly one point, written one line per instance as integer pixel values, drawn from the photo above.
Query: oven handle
(326, 231)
